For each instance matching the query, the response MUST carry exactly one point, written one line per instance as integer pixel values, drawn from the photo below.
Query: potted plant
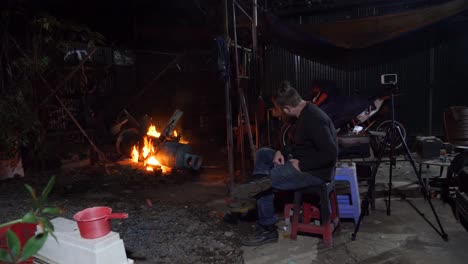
(18, 241)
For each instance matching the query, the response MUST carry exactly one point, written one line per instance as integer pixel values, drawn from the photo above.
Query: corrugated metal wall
(450, 69)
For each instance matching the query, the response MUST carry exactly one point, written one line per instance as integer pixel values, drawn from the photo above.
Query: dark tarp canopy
(370, 39)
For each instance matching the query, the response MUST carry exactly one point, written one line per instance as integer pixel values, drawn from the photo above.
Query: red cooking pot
(94, 222)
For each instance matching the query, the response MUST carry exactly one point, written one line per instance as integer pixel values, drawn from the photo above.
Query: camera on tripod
(393, 135)
(391, 78)
(389, 81)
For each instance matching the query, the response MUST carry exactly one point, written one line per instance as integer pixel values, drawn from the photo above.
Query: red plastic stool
(329, 218)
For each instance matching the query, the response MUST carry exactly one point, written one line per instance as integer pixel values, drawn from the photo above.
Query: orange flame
(148, 152)
(153, 132)
(153, 161)
(135, 154)
(148, 147)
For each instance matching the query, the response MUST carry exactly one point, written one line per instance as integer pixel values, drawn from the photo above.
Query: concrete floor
(403, 237)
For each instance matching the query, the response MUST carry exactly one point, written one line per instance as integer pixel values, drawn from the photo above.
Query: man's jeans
(283, 177)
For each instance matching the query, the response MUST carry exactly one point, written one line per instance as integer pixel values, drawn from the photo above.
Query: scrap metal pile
(160, 152)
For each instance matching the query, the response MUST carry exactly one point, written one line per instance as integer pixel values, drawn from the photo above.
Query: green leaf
(29, 218)
(53, 235)
(33, 195)
(31, 191)
(52, 211)
(33, 245)
(47, 190)
(48, 226)
(13, 243)
(4, 256)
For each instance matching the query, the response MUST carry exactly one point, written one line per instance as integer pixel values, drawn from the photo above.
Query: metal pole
(431, 89)
(254, 68)
(241, 91)
(254, 30)
(236, 52)
(229, 136)
(243, 11)
(257, 137)
(247, 118)
(268, 127)
(227, 89)
(240, 137)
(240, 126)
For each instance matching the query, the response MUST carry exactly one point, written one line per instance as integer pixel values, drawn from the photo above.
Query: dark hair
(286, 95)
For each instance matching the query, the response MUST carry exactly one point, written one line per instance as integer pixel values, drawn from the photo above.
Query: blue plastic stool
(349, 206)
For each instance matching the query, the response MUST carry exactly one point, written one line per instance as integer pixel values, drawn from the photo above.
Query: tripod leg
(376, 168)
(370, 196)
(364, 211)
(372, 193)
(424, 188)
(391, 137)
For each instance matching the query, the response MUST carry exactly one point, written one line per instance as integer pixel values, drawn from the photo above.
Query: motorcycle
(354, 116)
(359, 115)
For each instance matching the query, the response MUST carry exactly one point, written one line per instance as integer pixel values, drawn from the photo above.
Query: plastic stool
(348, 206)
(329, 218)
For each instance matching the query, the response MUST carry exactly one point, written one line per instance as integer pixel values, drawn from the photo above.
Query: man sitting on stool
(311, 154)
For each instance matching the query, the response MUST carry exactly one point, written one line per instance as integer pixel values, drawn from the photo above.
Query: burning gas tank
(173, 153)
(176, 155)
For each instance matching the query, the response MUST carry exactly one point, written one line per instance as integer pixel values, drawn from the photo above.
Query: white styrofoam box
(73, 249)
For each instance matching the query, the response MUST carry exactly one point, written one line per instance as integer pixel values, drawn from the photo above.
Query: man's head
(287, 99)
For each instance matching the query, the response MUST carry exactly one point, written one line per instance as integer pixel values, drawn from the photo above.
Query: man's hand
(278, 159)
(295, 164)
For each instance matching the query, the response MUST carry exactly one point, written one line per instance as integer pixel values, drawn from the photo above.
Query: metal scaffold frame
(243, 108)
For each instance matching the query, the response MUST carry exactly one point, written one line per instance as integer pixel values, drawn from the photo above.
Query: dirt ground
(169, 222)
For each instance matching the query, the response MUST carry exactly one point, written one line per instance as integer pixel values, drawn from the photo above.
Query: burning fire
(152, 132)
(148, 153)
(152, 161)
(135, 154)
(181, 140)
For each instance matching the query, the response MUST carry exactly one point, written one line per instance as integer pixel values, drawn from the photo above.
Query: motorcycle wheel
(383, 127)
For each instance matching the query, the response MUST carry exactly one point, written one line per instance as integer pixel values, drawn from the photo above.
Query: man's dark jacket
(312, 140)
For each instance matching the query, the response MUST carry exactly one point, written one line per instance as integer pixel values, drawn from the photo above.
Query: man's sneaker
(263, 235)
(259, 229)
(250, 189)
